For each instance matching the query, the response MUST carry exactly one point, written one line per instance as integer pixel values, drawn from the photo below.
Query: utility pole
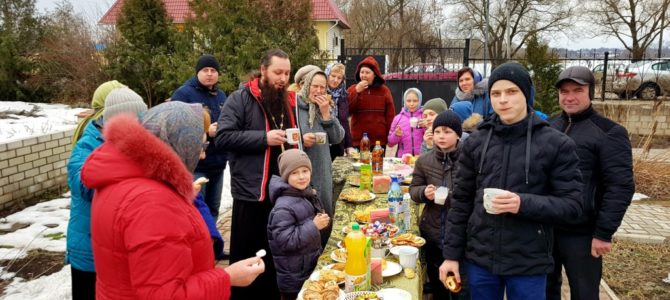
(660, 36)
(486, 35)
(508, 29)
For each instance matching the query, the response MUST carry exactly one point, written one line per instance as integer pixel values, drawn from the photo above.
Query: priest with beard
(252, 129)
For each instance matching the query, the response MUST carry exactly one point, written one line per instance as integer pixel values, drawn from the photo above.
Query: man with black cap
(202, 89)
(605, 160)
(527, 173)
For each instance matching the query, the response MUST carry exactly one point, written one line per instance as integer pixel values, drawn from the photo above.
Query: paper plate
(337, 259)
(392, 268)
(317, 274)
(354, 295)
(342, 296)
(394, 294)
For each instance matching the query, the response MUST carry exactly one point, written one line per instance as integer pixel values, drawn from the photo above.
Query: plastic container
(396, 207)
(365, 149)
(357, 267)
(365, 179)
(378, 159)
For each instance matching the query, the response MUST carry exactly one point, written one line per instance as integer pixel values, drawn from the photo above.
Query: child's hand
(321, 221)
(428, 138)
(429, 192)
(398, 131)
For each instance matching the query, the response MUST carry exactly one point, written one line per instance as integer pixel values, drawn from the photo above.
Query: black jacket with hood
(528, 158)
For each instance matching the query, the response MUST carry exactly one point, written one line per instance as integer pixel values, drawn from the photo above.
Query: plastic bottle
(378, 159)
(357, 267)
(395, 202)
(365, 177)
(365, 149)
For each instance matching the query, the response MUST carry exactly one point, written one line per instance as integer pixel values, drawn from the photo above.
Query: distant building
(329, 21)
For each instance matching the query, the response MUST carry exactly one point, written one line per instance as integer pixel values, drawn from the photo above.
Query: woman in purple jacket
(402, 133)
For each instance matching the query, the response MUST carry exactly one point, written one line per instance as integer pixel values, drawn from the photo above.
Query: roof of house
(178, 10)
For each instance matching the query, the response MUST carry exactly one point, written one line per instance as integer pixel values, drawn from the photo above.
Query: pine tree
(544, 68)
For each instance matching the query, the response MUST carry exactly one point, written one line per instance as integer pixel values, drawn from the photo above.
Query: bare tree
(635, 23)
(517, 20)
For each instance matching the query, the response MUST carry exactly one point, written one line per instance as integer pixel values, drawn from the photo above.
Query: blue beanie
(463, 109)
(517, 74)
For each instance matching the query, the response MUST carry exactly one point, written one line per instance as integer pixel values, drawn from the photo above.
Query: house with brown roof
(329, 21)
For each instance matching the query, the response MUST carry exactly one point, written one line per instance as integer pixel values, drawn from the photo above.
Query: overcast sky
(92, 10)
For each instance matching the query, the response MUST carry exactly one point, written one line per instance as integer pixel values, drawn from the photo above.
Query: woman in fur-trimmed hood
(473, 88)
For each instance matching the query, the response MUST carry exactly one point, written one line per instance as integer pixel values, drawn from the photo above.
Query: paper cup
(413, 122)
(293, 136)
(441, 195)
(408, 257)
(378, 252)
(320, 138)
(489, 194)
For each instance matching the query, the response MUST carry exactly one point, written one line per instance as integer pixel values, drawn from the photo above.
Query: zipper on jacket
(567, 129)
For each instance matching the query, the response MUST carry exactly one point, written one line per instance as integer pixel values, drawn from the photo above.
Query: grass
(55, 236)
(635, 271)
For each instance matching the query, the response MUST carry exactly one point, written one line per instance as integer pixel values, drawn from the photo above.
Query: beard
(275, 101)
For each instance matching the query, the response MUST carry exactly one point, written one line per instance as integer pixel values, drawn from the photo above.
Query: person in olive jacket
(606, 162)
(509, 249)
(432, 170)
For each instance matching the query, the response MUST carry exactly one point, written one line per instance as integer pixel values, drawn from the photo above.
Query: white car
(644, 80)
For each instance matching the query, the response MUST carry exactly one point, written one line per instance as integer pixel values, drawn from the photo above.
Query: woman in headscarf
(149, 241)
(472, 88)
(338, 91)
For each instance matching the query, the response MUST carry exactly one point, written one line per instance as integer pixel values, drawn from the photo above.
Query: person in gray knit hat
(431, 109)
(123, 100)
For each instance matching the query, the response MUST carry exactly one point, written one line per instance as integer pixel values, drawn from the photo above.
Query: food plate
(408, 239)
(330, 274)
(396, 250)
(339, 255)
(392, 268)
(361, 296)
(335, 266)
(394, 294)
(340, 244)
(354, 180)
(407, 180)
(355, 195)
(342, 295)
(357, 166)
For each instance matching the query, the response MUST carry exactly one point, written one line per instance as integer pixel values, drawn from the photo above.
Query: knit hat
(517, 74)
(123, 100)
(580, 75)
(292, 159)
(180, 125)
(449, 119)
(102, 91)
(463, 109)
(207, 60)
(415, 91)
(436, 104)
(300, 74)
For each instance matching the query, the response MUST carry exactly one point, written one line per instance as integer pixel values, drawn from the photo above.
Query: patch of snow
(639, 196)
(52, 118)
(44, 218)
(226, 197)
(6, 275)
(54, 286)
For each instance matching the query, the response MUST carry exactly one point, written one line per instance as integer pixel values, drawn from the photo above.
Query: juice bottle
(395, 202)
(365, 149)
(357, 267)
(378, 159)
(365, 177)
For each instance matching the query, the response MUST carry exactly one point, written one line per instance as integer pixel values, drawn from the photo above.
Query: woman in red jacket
(370, 104)
(149, 241)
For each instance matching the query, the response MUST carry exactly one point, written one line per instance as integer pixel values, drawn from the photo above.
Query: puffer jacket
(242, 132)
(372, 110)
(437, 168)
(532, 160)
(479, 97)
(606, 162)
(79, 252)
(192, 91)
(411, 139)
(149, 240)
(294, 239)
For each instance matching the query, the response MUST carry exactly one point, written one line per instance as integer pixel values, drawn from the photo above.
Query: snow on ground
(54, 286)
(47, 226)
(15, 125)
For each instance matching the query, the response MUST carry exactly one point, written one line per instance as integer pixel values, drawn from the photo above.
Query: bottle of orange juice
(357, 267)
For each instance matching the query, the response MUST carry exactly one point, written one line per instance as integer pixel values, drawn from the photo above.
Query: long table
(344, 214)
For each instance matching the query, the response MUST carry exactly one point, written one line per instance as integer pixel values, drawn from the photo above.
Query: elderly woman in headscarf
(314, 116)
(472, 88)
(149, 241)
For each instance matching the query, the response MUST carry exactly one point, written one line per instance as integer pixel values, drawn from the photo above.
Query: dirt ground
(36, 264)
(635, 271)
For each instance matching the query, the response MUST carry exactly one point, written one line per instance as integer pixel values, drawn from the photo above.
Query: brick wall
(637, 116)
(33, 166)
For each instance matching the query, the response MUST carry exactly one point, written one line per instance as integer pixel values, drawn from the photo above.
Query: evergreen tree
(545, 69)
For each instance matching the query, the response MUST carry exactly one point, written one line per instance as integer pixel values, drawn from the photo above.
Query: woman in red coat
(149, 240)
(370, 104)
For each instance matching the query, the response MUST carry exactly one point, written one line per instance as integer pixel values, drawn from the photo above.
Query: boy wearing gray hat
(606, 163)
(527, 173)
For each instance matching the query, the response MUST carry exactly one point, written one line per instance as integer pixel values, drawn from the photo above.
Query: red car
(427, 71)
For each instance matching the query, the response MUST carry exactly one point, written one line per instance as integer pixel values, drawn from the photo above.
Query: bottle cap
(355, 227)
(378, 143)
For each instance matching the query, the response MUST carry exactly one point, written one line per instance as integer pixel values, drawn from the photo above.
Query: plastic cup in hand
(320, 138)
(413, 122)
(441, 195)
(489, 194)
(408, 257)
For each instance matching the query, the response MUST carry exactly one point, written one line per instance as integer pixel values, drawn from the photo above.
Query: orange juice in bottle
(357, 267)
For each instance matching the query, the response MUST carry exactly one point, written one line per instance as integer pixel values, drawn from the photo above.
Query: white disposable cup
(293, 136)
(408, 257)
(413, 122)
(320, 138)
(489, 194)
(441, 195)
(378, 252)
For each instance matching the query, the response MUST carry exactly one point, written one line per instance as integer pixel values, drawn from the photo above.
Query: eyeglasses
(205, 145)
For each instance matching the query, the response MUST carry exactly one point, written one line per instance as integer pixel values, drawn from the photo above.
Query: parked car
(612, 70)
(644, 80)
(424, 71)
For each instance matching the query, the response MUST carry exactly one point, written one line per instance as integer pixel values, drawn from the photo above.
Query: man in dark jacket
(606, 163)
(252, 129)
(202, 89)
(507, 247)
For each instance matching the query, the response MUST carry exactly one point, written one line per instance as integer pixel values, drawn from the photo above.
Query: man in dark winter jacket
(606, 163)
(202, 89)
(507, 246)
(252, 129)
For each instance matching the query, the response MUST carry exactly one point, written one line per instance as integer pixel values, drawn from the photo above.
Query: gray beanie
(180, 125)
(300, 74)
(437, 105)
(123, 100)
(292, 159)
